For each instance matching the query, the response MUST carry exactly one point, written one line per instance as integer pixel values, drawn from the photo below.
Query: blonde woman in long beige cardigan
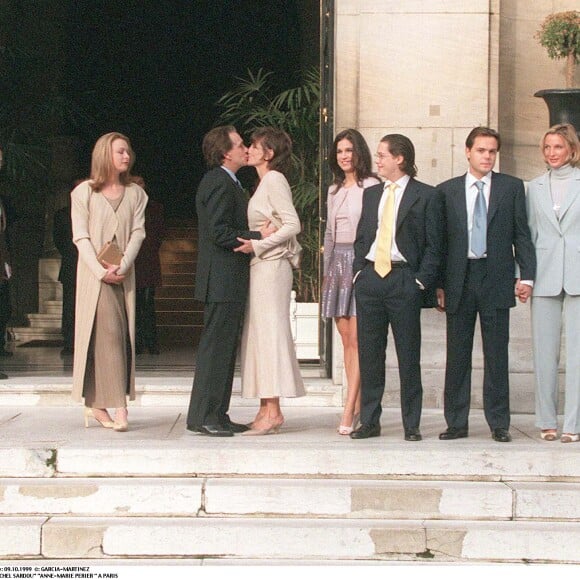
(108, 207)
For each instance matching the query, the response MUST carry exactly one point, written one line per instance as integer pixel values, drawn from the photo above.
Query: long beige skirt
(268, 356)
(107, 373)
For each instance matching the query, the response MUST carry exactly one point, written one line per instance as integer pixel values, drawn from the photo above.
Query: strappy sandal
(549, 434)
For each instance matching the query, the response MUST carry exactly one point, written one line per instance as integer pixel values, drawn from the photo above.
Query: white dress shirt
(396, 255)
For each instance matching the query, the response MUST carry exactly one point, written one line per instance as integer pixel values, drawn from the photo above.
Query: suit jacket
(417, 232)
(507, 231)
(222, 275)
(557, 242)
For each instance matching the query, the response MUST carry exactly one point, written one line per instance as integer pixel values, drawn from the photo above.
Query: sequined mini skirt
(337, 288)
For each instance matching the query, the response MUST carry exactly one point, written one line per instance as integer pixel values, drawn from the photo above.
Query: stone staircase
(179, 316)
(306, 495)
(45, 324)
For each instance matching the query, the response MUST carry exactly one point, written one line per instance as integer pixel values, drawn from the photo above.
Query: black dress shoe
(413, 435)
(3, 376)
(366, 431)
(453, 433)
(501, 435)
(237, 427)
(213, 430)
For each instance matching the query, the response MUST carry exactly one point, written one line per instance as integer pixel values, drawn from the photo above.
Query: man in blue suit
(485, 224)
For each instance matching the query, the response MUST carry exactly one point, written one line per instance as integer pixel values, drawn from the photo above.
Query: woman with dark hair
(351, 164)
(553, 202)
(268, 359)
(107, 214)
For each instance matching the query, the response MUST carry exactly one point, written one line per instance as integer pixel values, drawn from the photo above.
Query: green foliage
(255, 103)
(559, 34)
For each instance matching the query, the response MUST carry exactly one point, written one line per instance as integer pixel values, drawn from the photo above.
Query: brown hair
(216, 143)
(482, 132)
(568, 133)
(361, 158)
(402, 145)
(102, 161)
(279, 143)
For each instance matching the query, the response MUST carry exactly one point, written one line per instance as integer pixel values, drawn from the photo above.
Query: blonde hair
(568, 133)
(102, 161)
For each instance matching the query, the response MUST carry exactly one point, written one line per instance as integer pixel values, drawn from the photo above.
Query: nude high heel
(272, 429)
(120, 425)
(89, 413)
(348, 429)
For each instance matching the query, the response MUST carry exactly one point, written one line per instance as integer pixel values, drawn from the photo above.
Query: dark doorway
(153, 69)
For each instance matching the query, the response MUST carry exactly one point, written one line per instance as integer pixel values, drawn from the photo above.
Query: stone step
(178, 246)
(177, 318)
(152, 392)
(278, 497)
(179, 268)
(185, 304)
(296, 538)
(171, 291)
(179, 280)
(44, 320)
(28, 333)
(53, 307)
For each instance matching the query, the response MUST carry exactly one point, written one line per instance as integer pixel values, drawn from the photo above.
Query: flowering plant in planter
(559, 34)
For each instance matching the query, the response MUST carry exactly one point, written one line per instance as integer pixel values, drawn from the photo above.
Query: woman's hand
(111, 277)
(268, 229)
(245, 246)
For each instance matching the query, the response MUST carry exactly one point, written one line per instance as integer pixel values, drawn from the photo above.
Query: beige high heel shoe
(348, 429)
(120, 425)
(90, 413)
(272, 429)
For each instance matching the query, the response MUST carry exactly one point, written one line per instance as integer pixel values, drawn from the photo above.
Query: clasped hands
(246, 245)
(522, 291)
(111, 277)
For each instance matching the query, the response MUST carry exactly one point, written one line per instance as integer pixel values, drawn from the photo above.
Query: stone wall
(432, 70)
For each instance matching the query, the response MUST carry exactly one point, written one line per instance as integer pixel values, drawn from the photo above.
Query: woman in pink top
(351, 164)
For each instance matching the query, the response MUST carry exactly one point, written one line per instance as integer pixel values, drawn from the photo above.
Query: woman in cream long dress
(107, 207)
(268, 359)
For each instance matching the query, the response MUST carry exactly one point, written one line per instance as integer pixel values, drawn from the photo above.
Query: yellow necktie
(383, 251)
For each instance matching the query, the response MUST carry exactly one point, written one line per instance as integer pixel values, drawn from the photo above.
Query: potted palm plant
(253, 103)
(559, 34)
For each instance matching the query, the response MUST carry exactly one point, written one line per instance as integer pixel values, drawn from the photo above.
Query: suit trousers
(548, 314)
(396, 301)
(495, 338)
(215, 364)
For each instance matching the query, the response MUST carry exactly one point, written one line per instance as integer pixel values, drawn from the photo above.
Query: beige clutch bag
(110, 254)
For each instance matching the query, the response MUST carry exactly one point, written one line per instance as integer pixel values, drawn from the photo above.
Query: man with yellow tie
(397, 256)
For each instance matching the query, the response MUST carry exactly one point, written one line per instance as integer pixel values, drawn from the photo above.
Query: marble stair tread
(61, 537)
(294, 497)
(152, 391)
(52, 441)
